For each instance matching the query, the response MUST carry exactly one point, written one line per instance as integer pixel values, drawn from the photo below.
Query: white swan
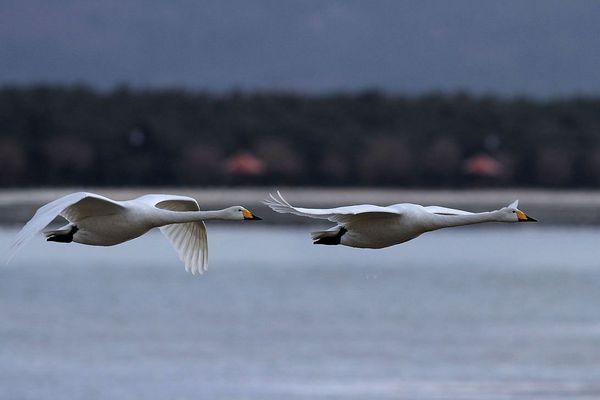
(100, 221)
(368, 226)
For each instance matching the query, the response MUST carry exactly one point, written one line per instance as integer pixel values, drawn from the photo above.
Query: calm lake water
(509, 312)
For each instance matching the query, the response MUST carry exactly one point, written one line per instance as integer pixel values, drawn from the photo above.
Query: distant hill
(78, 136)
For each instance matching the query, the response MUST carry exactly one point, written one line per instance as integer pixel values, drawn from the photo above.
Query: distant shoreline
(558, 207)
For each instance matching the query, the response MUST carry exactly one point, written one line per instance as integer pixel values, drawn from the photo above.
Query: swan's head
(513, 214)
(241, 213)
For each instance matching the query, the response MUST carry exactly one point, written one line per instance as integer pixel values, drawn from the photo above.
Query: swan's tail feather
(324, 234)
(332, 236)
(62, 235)
(60, 231)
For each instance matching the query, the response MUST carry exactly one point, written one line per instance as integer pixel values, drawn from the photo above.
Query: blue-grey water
(477, 313)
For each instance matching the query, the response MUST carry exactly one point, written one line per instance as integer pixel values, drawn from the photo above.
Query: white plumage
(100, 221)
(370, 226)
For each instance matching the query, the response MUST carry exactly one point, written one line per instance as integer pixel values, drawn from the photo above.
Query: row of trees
(77, 136)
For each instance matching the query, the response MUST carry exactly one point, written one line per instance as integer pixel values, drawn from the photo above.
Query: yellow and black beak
(248, 216)
(524, 218)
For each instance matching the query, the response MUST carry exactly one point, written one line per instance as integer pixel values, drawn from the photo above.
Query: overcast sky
(540, 48)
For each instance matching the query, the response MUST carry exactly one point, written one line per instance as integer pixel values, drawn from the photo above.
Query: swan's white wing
(90, 205)
(73, 207)
(189, 239)
(338, 214)
(445, 211)
(170, 202)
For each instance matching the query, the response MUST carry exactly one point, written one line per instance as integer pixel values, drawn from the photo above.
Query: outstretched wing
(338, 214)
(189, 239)
(445, 211)
(72, 207)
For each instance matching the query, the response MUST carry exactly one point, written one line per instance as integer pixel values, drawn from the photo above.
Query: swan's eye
(514, 212)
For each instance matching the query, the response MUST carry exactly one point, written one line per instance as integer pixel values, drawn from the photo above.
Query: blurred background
(463, 104)
(334, 93)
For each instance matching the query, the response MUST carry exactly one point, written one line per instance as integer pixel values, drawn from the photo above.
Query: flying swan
(374, 227)
(100, 221)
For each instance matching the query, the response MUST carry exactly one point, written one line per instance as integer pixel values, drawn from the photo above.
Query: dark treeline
(77, 136)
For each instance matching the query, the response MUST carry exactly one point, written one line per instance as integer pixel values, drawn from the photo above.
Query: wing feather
(91, 205)
(339, 214)
(445, 211)
(170, 202)
(72, 207)
(189, 239)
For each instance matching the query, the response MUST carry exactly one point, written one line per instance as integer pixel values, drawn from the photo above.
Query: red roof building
(482, 165)
(244, 163)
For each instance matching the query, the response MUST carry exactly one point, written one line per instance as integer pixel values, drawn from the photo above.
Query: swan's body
(375, 227)
(99, 221)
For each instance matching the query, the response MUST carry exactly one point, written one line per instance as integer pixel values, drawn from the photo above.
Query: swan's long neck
(447, 221)
(167, 217)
